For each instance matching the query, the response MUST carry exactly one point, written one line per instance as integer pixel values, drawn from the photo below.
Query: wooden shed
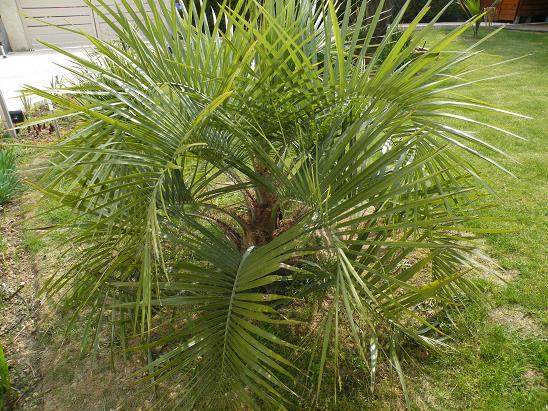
(520, 11)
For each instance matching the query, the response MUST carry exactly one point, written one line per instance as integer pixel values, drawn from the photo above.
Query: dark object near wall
(17, 116)
(453, 12)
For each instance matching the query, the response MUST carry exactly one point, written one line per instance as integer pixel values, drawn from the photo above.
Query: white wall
(14, 25)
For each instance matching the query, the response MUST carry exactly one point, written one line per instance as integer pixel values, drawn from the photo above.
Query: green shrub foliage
(266, 202)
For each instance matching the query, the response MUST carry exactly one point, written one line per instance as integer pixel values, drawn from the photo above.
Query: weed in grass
(32, 241)
(5, 386)
(8, 178)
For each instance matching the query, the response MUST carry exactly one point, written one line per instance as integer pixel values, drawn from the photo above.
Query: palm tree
(253, 199)
(474, 10)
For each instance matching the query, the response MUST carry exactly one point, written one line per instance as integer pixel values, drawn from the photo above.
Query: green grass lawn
(500, 361)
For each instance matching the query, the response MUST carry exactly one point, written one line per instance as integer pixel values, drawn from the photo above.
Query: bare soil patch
(517, 319)
(48, 371)
(534, 377)
(19, 305)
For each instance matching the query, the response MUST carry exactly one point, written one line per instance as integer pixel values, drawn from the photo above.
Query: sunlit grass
(495, 368)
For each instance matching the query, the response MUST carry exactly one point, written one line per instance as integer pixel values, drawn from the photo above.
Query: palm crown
(232, 170)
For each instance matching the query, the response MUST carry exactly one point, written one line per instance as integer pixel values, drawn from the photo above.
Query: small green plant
(32, 242)
(26, 101)
(8, 178)
(3, 132)
(5, 386)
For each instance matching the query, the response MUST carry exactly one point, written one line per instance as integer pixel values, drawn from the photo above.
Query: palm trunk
(261, 223)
